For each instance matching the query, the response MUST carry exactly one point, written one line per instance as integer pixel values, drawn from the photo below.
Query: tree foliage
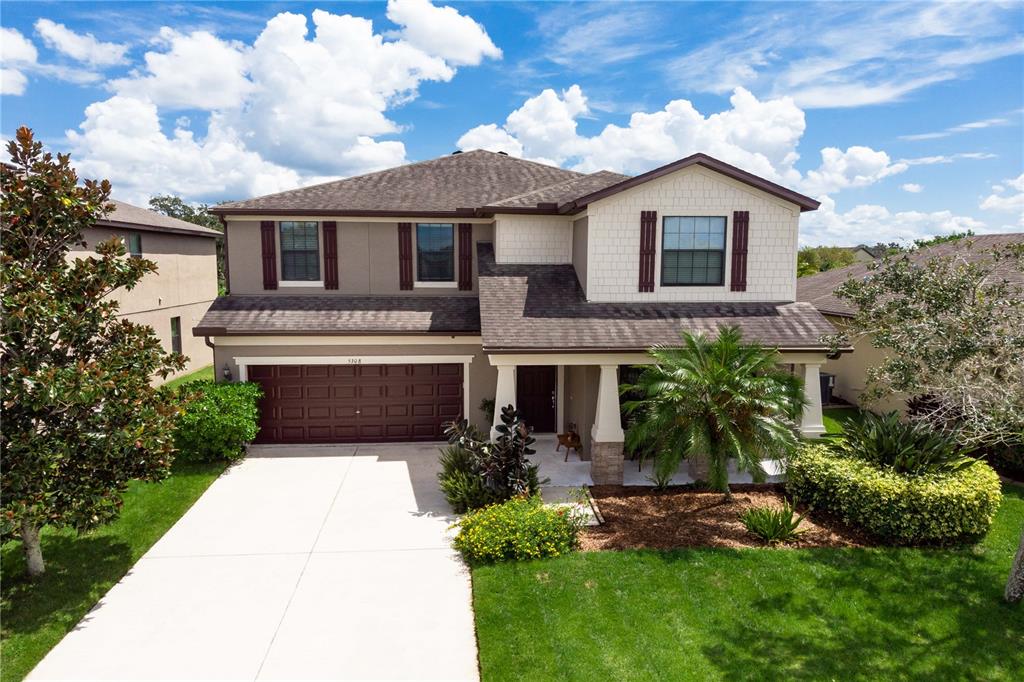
(80, 418)
(720, 399)
(952, 328)
(814, 259)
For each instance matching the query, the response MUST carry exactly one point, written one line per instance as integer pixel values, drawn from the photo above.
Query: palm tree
(718, 399)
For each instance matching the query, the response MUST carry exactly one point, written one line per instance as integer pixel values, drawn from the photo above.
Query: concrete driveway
(313, 562)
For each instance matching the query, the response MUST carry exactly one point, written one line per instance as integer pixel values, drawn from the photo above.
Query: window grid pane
(693, 250)
(435, 252)
(300, 251)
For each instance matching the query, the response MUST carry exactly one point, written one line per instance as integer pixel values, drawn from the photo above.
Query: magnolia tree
(80, 418)
(952, 328)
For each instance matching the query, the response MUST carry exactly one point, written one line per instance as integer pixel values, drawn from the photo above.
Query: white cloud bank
(1003, 201)
(84, 48)
(289, 109)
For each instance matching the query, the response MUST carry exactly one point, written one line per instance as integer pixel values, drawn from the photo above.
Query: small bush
(462, 486)
(773, 525)
(217, 420)
(896, 507)
(521, 528)
(904, 446)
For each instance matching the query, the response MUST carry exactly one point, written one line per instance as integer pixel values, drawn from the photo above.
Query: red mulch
(641, 517)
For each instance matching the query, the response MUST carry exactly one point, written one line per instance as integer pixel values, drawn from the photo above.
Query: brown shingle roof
(542, 307)
(446, 184)
(312, 315)
(819, 289)
(130, 216)
(563, 191)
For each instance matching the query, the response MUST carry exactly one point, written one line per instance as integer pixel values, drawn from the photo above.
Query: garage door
(357, 403)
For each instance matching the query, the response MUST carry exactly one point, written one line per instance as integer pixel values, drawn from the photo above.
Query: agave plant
(773, 525)
(907, 447)
(720, 399)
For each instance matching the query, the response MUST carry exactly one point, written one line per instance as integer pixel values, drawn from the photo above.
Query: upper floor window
(693, 251)
(134, 244)
(176, 334)
(435, 252)
(300, 251)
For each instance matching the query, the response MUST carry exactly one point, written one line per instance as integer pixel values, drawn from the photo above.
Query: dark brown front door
(356, 403)
(536, 393)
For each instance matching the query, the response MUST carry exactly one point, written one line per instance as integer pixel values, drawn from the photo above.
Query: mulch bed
(638, 517)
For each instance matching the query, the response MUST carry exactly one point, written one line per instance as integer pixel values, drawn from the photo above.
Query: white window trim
(454, 282)
(301, 283)
(281, 281)
(435, 285)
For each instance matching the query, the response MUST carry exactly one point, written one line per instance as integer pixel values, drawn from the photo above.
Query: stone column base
(606, 462)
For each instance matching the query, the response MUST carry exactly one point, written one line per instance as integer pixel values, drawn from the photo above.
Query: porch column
(812, 426)
(606, 436)
(504, 394)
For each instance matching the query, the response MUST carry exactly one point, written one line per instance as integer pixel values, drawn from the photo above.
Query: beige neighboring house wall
(367, 259)
(184, 285)
(614, 238)
(580, 244)
(851, 372)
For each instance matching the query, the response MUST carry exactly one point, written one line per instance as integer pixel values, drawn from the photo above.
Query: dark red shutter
(648, 248)
(405, 255)
(740, 232)
(330, 254)
(269, 254)
(465, 257)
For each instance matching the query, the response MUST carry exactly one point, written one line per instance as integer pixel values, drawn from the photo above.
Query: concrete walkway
(298, 563)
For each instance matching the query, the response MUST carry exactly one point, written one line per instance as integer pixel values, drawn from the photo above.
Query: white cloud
(869, 224)
(912, 187)
(847, 55)
(492, 138)
(442, 31)
(1001, 201)
(588, 37)
(962, 128)
(856, 167)
(16, 54)
(84, 48)
(946, 158)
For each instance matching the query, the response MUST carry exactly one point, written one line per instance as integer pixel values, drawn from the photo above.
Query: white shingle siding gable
(532, 239)
(613, 254)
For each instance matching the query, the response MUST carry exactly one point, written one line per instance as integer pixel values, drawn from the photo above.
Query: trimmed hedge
(521, 528)
(217, 420)
(898, 508)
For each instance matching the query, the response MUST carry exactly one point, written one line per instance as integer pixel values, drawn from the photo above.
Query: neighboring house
(862, 254)
(380, 307)
(850, 369)
(176, 297)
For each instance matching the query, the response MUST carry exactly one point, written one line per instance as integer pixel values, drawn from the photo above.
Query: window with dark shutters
(465, 257)
(405, 255)
(269, 254)
(330, 254)
(648, 249)
(740, 234)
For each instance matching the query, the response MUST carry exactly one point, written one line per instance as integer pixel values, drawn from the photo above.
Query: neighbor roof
(339, 315)
(478, 183)
(819, 289)
(542, 307)
(129, 216)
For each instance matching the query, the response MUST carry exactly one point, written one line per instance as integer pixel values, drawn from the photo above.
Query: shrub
(217, 421)
(521, 528)
(500, 467)
(1007, 459)
(904, 446)
(901, 508)
(773, 525)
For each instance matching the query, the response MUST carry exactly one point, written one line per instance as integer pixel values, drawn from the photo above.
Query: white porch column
(606, 436)
(812, 425)
(504, 394)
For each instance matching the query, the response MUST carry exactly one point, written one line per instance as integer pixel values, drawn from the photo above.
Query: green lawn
(836, 418)
(80, 569)
(716, 614)
(206, 373)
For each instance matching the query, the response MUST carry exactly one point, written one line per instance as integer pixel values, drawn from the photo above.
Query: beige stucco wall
(184, 285)
(581, 382)
(482, 376)
(533, 239)
(580, 240)
(851, 371)
(613, 252)
(367, 260)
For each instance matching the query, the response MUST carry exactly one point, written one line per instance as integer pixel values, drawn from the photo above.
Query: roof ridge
(567, 181)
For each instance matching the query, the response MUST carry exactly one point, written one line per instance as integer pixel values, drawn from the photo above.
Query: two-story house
(176, 297)
(380, 307)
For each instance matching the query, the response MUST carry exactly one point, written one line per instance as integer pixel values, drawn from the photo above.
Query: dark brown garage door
(357, 403)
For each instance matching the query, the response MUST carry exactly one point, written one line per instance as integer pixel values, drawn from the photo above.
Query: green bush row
(521, 528)
(217, 421)
(896, 507)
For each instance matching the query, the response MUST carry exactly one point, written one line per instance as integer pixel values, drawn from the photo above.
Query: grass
(206, 373)
(717, 614)
(81, 568)
(836, 418)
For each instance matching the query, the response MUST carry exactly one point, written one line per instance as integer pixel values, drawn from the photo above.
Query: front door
(536, 396)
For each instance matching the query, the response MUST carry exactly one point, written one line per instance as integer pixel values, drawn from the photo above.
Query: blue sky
(905, 119)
